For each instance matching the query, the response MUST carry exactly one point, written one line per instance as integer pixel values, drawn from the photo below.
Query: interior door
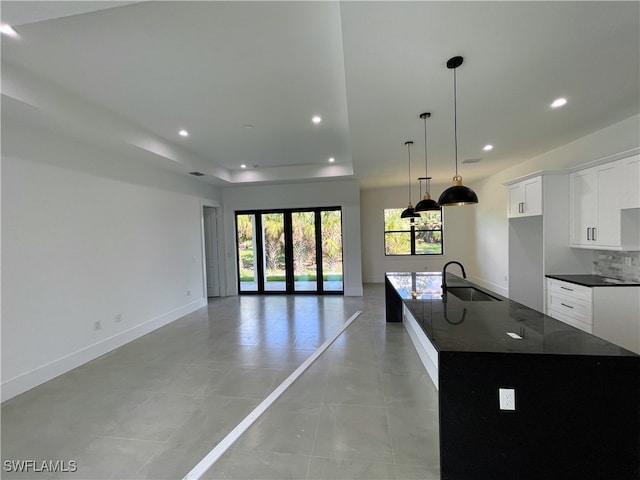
(211, 251)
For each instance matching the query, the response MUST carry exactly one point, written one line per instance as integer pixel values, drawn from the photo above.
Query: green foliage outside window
(423, 236)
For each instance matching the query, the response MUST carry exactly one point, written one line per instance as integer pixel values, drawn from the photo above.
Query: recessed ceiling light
(248, 126)
(183, 133)
(559, 102)
(8, 30)
(487, 147)
(316, 119)
(331, 160)
(243, 166)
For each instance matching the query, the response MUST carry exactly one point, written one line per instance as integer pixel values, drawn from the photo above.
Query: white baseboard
(373, 279)
(353, 291)
(44, 373)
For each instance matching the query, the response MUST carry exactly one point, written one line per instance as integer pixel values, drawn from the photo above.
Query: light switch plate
(507, 398)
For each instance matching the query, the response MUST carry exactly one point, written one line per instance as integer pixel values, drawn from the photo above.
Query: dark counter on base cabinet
(577, 401)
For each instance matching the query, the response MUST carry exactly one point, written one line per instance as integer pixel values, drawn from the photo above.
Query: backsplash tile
(615, 265)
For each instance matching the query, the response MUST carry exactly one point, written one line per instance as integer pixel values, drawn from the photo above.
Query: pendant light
(427, 203)
(457, 194)
(409, 212)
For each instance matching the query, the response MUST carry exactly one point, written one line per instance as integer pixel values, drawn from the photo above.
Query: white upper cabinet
(598, 196)
(595, 206)
(631, 178)
(525, 198)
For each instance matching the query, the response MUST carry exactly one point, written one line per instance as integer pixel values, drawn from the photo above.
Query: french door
(290, 251)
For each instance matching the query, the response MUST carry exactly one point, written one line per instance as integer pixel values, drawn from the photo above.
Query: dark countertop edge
(454, 280)
(623, 353)
(594, 281)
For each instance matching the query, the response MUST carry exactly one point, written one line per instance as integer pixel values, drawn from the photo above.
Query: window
(290, 250)
(421, 237)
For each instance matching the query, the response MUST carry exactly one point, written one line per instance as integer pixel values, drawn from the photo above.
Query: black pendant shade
(409, 212)
(427, 204)
(457, 194)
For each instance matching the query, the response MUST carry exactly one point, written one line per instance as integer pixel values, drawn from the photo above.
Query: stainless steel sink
(471, 294)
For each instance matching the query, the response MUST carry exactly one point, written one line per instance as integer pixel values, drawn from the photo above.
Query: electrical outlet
(627, 260)
(118, 317)
(507, 398)
(188, 293)
(97, 325)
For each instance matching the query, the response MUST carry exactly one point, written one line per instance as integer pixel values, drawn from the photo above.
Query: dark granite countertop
(485, 326)
(594, 280)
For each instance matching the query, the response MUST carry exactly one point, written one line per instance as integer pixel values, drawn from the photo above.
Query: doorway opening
(290, 251)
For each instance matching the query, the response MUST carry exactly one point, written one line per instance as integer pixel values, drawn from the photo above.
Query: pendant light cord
(408, 144)
(455, 118)
(426, 171)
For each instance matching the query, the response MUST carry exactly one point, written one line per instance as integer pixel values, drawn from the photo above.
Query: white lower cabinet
(570, 303)
(616, 313)
(611, 313)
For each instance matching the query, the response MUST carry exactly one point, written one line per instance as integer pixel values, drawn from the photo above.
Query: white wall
(489, 256)
(343, 194)
(458, 234)
(87, 236)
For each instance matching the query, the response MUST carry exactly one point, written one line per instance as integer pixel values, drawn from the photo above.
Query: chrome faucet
(444, 277)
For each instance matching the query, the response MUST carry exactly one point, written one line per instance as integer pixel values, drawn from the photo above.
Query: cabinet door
(616, 316)
(525, 198)
(607, 225)
(631, 175)
(532, 196)
(516, 200)
(583, 206)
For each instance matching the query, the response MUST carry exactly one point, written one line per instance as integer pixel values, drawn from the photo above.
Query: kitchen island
(577, 397)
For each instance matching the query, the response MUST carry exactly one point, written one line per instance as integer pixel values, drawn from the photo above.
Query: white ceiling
(368, 68)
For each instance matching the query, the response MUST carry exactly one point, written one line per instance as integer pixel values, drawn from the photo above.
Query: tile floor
(153, 408)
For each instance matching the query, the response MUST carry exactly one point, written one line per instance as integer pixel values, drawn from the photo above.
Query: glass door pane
(331, 228)
(247, 252)
(305, 267)
(274, 252)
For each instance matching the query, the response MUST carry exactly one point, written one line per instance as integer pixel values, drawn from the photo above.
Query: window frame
(288, 242)
(412, 229)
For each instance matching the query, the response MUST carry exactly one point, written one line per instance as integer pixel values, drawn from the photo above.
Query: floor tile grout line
(315, 434)
(386, 410)
(203, 466)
